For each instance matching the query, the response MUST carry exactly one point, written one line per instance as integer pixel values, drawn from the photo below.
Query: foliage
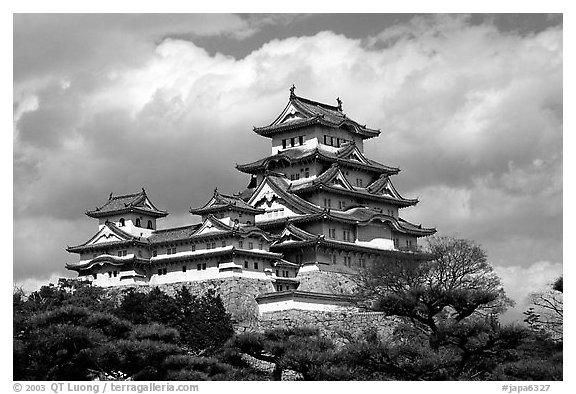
(547, 314)
(300, 349)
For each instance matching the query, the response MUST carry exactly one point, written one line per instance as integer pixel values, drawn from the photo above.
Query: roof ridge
(175, 228)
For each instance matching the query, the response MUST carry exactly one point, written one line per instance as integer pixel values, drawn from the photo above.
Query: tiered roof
(334, 180)
(223, 202)
(137, 202)
(294, 237)
(109, 230)
(302, 112)
(347, 155)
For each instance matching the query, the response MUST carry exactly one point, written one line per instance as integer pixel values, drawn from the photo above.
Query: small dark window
(199, 267)
(109, 274)
(292, 141)
(193, 247)
(159, 271)
(245, 264)
(250, 245)
(223, 244)
(260, 246)
(279, 287)
(283, 144)
(306, 172)
(154, 253)
(149, 226)
(277, 273)
(121, 222)
(115, 273)
(164, 271)
(95, 275)
(301, 140)
(255, 266)
(204, 266)
(248, 222)
(183, 268)
(325, 140)
(240, 244)
(137, 222)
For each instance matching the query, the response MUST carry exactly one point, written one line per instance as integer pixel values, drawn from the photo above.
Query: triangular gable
(352, 153)
(212, 225)
(338, 179)
(294, 234)
(289, 114)
(107, 234)
(268, 196)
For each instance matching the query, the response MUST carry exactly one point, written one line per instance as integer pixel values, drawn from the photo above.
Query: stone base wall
(326, 282)
(338, 326)
(238, 293)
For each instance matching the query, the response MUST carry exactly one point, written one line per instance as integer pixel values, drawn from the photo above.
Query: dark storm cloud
(471, 113)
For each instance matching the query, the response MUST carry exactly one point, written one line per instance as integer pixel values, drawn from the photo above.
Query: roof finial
(215, 191)
(110, 197)
(339, 103)
(292, 94)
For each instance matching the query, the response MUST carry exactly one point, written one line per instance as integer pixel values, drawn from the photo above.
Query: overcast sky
(470, 109)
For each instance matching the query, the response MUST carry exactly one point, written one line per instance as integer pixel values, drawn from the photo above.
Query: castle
(314, 210)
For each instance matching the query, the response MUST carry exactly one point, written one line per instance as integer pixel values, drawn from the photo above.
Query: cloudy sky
(470, 108)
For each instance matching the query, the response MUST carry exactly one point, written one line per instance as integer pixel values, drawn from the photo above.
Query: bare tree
(547, 314)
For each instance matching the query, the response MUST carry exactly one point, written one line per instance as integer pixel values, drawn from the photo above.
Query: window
(327, 202)
(260, 246)
(285, 274)
(333, 258)
(283, 144)
(362, 262)
(332, 232)
(95, 275)
(325, 140)
(255, 266)
(154, 253)
(306, 172)
(396, 242)
(115, 273)
(198, 267)
(171, 251)
(211, 245)
(346, 235)
(162, 271)
(301, 140)
(149, 226)
(183, 268)
(347, 261)
(250, 245)
(119, 253)
(122, 253)
(193, 247)
(277, 273)
(341, 204)
(137, 222)
(279, 287)
(240, 244)
(121, 222)
(204, 266)
(109, 274)
(358, 182)
(223, 244)
(291, 177)
(292, 141)
(245, 264)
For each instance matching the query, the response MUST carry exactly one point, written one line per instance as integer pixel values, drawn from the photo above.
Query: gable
(210, 226)
(106, 235)
(290, 114)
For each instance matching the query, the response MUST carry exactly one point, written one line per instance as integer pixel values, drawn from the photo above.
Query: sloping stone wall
(238, 294)
(338, 326)
(326, 282)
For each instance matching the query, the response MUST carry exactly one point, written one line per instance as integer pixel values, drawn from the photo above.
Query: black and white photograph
(285, 197)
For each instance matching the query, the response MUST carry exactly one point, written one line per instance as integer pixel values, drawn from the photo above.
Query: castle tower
(335, 210)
